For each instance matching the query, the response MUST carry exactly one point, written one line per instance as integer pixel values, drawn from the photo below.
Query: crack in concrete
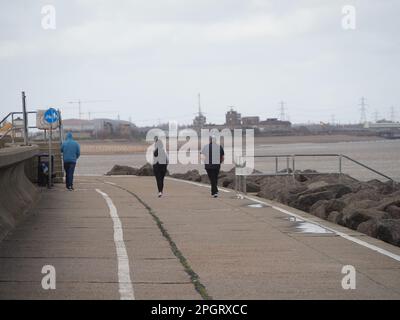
(194, 277)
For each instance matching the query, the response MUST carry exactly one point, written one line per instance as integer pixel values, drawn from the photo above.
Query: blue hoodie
(70, 149)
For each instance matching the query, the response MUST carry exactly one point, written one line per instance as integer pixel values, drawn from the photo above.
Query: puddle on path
(302, 226)
(299, 225)
(256, 205)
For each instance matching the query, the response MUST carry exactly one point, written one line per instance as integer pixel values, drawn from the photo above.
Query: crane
(101, 112)
(79, 103)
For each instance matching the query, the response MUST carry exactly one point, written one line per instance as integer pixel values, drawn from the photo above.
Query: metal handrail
(26, 126)
(366, 167)
(5, 118)
(13, 128)
(15, 112)
(238, 181)
(6, 133)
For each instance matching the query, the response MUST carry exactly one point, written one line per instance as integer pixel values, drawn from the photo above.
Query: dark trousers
(69, 168)
(213, 176)
(159, 172)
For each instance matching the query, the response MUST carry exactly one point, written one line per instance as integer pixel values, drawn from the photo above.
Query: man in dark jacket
(71, 152)
(213, 155)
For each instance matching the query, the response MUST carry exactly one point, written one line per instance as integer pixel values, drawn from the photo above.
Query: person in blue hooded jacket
(71, 152)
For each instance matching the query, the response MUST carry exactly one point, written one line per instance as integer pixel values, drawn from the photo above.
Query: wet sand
(381, 155)
(110, 147)
(314, 139)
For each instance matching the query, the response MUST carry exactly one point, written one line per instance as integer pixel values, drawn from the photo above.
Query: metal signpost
(51, 116)
(25, 118)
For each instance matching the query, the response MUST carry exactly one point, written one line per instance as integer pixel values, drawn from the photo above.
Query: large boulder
(309, 197)
(338, 190)
(385, 229)
(222, 174)
(368, 227)
(301, 177)
(252, 187)
(317, 184)
(331, 179)
(362, 194)
(227, 182)
(393, 211)
(122, 170)
(355, 205)
(204, 178)
(353, 218)
(323, 208)
(227, 178)
(389, 230)
(146, 170)
(192, 175)
(391, 200)
(279, 189)
(335, 217)
(382, 187)
(306, 201)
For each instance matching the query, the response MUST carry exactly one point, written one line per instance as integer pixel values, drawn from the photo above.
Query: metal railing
(290, 170)
(20, 125)
(17, 122)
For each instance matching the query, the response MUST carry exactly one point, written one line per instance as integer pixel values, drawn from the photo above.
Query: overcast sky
(150, 58)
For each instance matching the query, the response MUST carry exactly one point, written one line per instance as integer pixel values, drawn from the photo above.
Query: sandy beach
(108, 147)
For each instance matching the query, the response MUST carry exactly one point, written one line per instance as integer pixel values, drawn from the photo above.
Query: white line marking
(341, 234)
(112, 183)
(124, 278)
(197, 184)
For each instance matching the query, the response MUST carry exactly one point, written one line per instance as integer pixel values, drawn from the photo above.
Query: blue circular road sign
(51, 115)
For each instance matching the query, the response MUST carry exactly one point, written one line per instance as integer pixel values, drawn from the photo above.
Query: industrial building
(274, 125)
(99, 128)
(233, 119)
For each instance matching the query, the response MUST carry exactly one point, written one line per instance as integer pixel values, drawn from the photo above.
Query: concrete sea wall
(17, 193)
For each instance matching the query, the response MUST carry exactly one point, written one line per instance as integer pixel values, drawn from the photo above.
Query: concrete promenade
(112, 238)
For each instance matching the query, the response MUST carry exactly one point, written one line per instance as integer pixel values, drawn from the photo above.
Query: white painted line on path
(124, 278)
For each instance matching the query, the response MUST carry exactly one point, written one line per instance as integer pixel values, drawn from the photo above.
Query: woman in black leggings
(160, 162)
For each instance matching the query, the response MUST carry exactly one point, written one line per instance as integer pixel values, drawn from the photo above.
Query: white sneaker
(215, 195)
(160, 194)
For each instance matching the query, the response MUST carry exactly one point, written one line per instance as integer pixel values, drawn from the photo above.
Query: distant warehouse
(99, 128)
(269, 125)
(250, 121)
(275, 125)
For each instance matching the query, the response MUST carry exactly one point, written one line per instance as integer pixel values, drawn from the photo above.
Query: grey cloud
(154, 56)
